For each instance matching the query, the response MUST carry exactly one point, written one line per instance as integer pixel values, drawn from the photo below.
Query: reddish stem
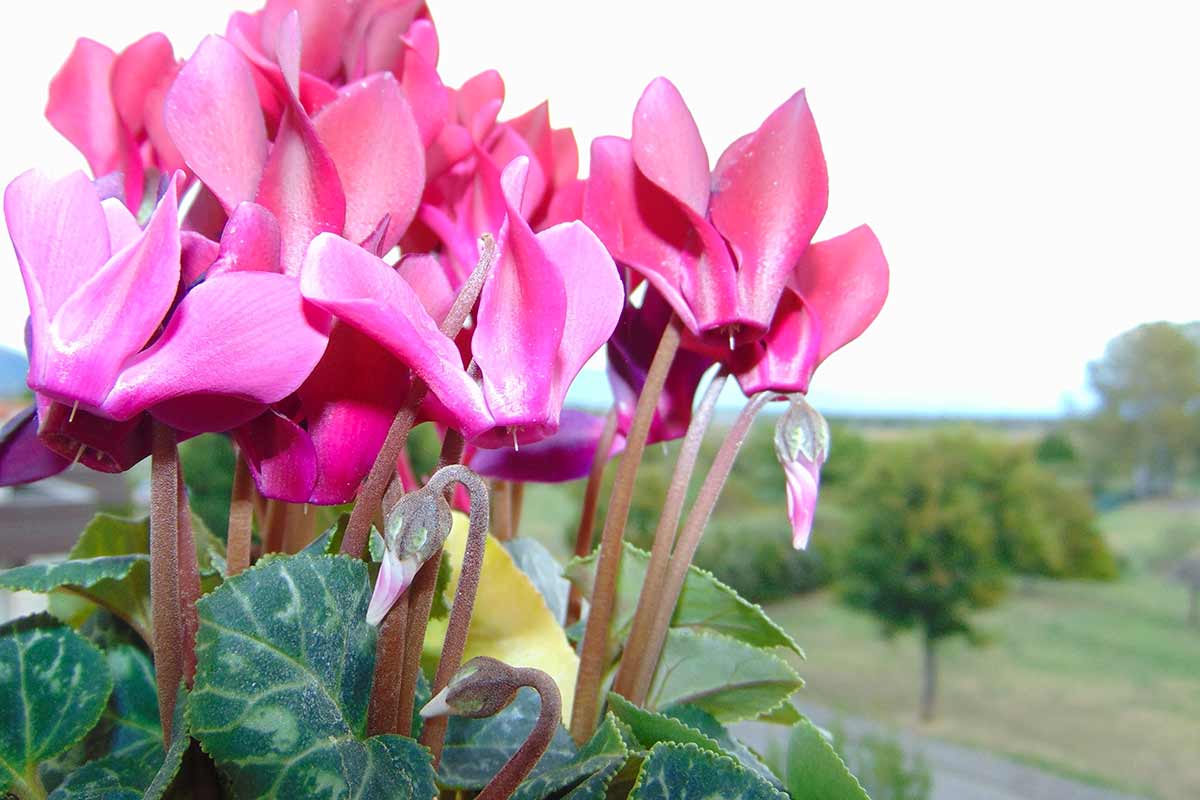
(522, 762)
(689, 539)
(164, 572)
(664, 537)
(502, 514)
(189, 583)
(591, 498)
(383, 715)
(241, 513)
(593, 657)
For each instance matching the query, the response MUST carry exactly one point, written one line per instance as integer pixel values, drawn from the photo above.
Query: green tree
(1148, 418)
(923, 555)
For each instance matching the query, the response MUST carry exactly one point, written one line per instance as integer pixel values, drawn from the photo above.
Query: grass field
(1098, 680)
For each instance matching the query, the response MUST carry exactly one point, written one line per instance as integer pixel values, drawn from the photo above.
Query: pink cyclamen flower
(719, 245)
(835, 292)
(110, 106)
(801, 445)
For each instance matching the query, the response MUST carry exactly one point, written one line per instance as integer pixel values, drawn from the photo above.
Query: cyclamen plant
(300, 238)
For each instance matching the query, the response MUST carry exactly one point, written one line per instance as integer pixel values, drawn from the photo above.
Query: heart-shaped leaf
(705, 602)
(54, 686)
(587, 774)
(677, 771)
(707, 724)
(284, 664)
(725, 677)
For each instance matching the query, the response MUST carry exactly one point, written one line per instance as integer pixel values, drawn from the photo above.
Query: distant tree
(1187, 572)
(1056, 449)
(923, 555)
(1148, 418)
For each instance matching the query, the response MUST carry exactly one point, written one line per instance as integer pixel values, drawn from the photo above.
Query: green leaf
(677, 771)
(330, 541)
(544, 572)
(729, 744)
(595, 764)
(783, 714)
(705, 602)
(476, 749)
(284, 666)
(814, 769)
(650, 727)
(725, 677)
(55, 686)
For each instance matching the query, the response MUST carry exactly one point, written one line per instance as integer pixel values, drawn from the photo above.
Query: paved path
(959, 773)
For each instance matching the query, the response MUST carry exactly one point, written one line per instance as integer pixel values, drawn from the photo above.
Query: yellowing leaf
(511, 621)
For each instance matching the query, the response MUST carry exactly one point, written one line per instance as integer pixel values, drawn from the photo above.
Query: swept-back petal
(667, 146)
(113, 314)
(280, 456)
(136, 71)
(323, 26)
(520, 325)
(23, 457)
(427, 95)
(844, 281)
(212, 114)
(81, 106)
(370, 134)
(769, 194)
(363, 291)
(565, 455)
(250, 241)
(245, 335)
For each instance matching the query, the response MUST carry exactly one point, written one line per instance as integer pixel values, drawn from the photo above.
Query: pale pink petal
(844, 282)
(769, 194)
(667, 146)
(247, 335)
(802, 483)
(212, 114)
(280, 456)
(503, 146)
(478, 101)
(113, 314)
(370, 134)
(395, 576)
(323, 25)
(801, 446)
(427, 95)
(363, 291)
(122, 227)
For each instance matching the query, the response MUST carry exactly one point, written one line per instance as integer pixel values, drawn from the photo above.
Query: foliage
(207, 464)
(1148, 418)
(880, 763)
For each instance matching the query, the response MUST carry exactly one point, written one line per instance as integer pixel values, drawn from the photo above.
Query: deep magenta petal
(784, 359)
(667, 146)
(212, 114)
(23, 457)
(197, 254)
(81, 106)
(250, 242)
(137, 71)
(246, 335)
(769, 194)
(430, 280)
(565, 455)
(363, 291)
(113, 314)
(280, 456)
(370, 134)
(844, 281)
(98, 443)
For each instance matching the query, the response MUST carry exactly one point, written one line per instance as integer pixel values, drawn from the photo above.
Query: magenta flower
(718, 245)
(801, 445)
(108, 334)
(836, 291)
(565, 455)
(110, 106)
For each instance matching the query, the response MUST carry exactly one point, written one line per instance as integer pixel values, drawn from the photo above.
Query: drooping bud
(802, 446)
(481, 687)
(413, 532)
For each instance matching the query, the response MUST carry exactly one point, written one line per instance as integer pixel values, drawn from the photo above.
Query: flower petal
(565, 455)
(98, 443)
(370, 134)
(81, 106)
(395, 576)
(23, 457)
(844, 281)
(363, 291)
(245, 335)
(280, 456)
(212, 114)
(769, 194)
(667, 146)
(250, 241)
(135, 73)
(113, 314)
(784, 359)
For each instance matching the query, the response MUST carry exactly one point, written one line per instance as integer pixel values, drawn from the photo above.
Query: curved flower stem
(594, 652)
(587, 514)
(241, 511)
(420, 597)
(689, 539)
(164, 572)
(455, 643)
(370, 495)
(664, 537)
(189, 582)
(522, 762)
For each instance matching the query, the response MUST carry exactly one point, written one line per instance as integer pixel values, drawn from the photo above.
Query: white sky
(1032, 169)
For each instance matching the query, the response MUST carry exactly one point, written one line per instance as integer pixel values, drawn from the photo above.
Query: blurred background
(1002, 594)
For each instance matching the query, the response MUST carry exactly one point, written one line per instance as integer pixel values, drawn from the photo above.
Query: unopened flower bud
(801, 445)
